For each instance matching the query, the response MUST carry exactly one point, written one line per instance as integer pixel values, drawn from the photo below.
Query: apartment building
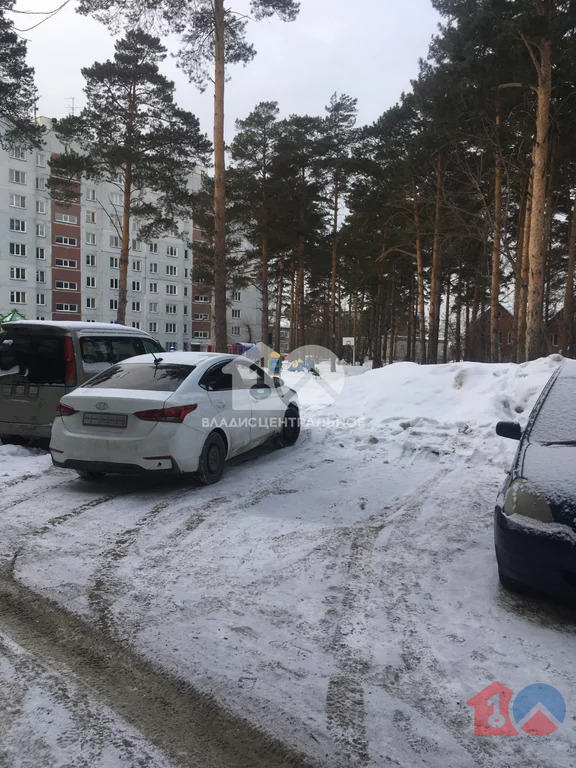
(62, 261)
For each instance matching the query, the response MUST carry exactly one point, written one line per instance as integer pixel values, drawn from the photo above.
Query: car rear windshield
(556, 421)
(39, 357)
(145, 376)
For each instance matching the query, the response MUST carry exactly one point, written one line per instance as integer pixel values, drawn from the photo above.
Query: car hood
(549, 469)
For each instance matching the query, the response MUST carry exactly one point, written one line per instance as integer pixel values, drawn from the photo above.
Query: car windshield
(142, 376)
(556, 422)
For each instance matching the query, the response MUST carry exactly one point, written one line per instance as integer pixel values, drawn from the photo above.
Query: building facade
(62, 261)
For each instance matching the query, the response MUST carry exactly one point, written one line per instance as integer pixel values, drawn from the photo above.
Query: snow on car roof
(568, 369)
(76, 325)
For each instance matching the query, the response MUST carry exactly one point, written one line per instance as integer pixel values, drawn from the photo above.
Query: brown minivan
(40, 361)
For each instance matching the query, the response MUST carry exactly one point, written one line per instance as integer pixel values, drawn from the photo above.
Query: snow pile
(446, 410)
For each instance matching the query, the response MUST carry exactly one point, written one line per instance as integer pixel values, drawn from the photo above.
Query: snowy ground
(342, 594)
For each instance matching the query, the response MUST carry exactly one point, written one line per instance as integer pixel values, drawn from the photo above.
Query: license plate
(118, 420)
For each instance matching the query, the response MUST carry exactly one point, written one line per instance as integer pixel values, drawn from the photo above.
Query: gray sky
(370, 52)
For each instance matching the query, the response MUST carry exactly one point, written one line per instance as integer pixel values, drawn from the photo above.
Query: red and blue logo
(538, 710)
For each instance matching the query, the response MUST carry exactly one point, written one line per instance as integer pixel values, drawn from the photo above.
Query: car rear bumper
(114, 468)
(534, 558)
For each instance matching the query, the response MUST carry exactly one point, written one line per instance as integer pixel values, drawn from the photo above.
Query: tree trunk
(446, 323)
(221, 331)
(436, 277)
(524, 190)
(264, 262)
(568, 315)
(126, 211)
(420, 278)
(524, 273)
(334, 274)
(496, 247)
(458, 339)
(542, 58)
(279, 299)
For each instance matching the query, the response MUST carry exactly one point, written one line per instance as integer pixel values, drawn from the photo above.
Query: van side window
(95, 350)
(124, 348)
(151, 346)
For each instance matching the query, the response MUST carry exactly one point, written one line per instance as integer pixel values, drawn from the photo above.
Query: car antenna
(157, 360)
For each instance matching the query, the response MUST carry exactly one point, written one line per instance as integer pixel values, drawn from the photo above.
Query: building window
(70, 242)
(500, 338)
(236, 296)
(17, 225)
(136, 245)
(202, 299)
(68, 263)
(136, 285)
(66, 218)
(185, 308)
(40, 230)
(40, 276)
(153, 306)
(66, 307)
(116, 198)
(185, 253)
(18, 297)
(509, 338)
(137, 265)
(236, 314)
(41, 160)
(17, 201)
(91, 194)
(153, 247)
(200, 316)
(41, 207)
(90, 259)
(17, 177)
(90, 238)
(171, 309)
(40, 253)
(90, 282)
(200, 334)
(65, 285)
(185, 328)
(40, 184)
(114, 262)
(115, 241)
(17, 152)
(555, 340)
(90, 217)
(235, 330)
(152, 287)
(172, 290)
(114, 283)
(90, 302)
(170, 327)
(171, 270)
(40, 300)
(153, 268)
(136, 324)
(113, 303)
(136, 307)
(153, 327)
(185, 290)
(171, 250)
(17, 273)
(17, 249)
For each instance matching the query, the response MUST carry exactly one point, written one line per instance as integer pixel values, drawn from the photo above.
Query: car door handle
(220, 404)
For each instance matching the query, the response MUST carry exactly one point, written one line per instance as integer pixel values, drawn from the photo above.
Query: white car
(172, 413)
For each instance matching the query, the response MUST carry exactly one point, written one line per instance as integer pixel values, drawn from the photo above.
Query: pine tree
(213, 36)
(132, 133)
(17, 89)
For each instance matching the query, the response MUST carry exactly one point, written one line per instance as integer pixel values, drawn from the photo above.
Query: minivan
(42, 361)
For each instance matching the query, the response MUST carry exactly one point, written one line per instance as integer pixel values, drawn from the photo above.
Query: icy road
(334, 604)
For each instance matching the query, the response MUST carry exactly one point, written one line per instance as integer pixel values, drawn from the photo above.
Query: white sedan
(172, 413)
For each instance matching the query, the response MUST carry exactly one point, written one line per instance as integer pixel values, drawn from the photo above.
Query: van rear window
(97, 349)
(142, 376)
(39, 357)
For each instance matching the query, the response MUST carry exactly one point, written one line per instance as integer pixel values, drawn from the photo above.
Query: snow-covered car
(172, 413)
(535, 516)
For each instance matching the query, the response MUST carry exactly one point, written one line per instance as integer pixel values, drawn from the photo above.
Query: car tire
(212, 460)
(509, 584)
(92, 477)
(290, 428)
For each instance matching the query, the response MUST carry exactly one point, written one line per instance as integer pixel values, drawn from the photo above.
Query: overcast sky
(368, 49)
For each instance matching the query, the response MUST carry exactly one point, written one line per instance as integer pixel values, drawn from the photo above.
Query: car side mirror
(510, 429)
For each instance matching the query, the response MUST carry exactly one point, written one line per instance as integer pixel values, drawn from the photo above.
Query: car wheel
(212, 460)
(290, 428)
(510, 584)
(91, 476)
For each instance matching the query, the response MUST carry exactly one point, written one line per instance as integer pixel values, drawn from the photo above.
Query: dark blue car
(535, 516)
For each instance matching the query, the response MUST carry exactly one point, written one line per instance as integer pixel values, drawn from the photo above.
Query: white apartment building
(62, 262)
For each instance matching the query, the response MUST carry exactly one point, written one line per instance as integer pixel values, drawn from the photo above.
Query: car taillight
(70, 369)
(175, 415)
(65, 410)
